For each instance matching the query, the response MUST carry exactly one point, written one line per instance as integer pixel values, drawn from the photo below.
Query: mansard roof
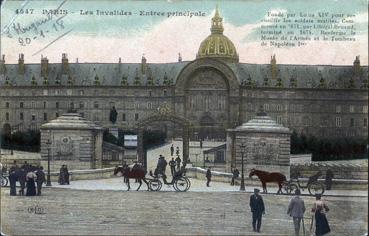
(84, 74)
(306, 76)
(111, 74)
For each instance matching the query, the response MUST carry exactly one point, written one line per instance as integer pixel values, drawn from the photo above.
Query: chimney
(21, 64)
(273, 63)
(143, 64)
(44, 66)
(356, 67)
(65, 66)
(77, 60)
(179, 57)
(120, 64)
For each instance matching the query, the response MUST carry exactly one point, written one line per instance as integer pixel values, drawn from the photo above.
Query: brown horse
(266, 177)
(136, 172)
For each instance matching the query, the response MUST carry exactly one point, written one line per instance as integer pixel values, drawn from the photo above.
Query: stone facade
(264, 144)
(71, 140)
(214, 92)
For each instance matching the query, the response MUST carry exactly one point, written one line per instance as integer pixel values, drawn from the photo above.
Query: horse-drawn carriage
(288, 187)
(179, 181)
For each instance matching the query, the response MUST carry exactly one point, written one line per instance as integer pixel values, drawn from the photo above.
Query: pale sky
(97, 38)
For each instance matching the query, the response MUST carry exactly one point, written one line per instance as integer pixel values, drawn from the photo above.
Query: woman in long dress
(31, 187)
(320, 209)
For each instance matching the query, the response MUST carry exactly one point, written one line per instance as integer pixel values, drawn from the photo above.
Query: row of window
(299, 108)
(96, 117)
(45, 116)
(205, 102)
(324, 121)
(69, 92)
(80, 105)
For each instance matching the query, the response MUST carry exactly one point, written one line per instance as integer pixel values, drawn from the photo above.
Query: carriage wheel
(289, 188)
(4, 181)
(188, 183)
(181, 184)
(285, 187)
(155, 185)
(316, 188)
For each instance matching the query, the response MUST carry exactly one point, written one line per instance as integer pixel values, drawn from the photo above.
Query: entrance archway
(7, 129)
(164, 115)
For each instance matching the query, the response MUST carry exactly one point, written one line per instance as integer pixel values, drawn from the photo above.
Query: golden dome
(217, 45)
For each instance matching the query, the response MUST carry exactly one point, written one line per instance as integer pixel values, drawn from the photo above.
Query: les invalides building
(213, 93)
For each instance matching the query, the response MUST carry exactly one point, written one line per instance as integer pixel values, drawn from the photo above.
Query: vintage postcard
(184, 117)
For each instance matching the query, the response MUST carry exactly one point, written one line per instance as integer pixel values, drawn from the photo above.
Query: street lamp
(242, 186)
(48, 182)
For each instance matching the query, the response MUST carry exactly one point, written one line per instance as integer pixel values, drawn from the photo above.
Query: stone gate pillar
(140, 150)
(186, 144)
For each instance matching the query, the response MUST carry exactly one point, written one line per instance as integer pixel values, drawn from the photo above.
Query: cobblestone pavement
(197, 185)
(105, 212)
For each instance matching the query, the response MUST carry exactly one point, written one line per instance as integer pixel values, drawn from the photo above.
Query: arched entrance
(207, 94)
(7, 129)
(164, 115)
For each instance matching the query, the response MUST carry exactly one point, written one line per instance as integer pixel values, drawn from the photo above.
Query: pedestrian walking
(235, 174)
(328, 179)
(31, 187)
(208, 177)
(172, 164)
(296, 210)
(257, 209)
(320, 209)
(177, 151)
(13, 182)
(61, 180)
(40, 179)
(66, 173)
(178, 162)
(171, 150)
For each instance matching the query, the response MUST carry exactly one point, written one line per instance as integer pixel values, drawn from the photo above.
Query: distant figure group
(28, 177)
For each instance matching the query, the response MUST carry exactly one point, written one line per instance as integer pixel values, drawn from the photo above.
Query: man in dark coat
(171, 150)
(172, 164)
(21, 173)
(235, 174)
(257, 209)
(177, 151)
(61, 175)
(208, 177)
(40, 179)
(13, 182)
(66, 174)
(328, 179)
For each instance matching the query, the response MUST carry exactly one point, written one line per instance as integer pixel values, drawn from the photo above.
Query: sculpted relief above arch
(214, 67)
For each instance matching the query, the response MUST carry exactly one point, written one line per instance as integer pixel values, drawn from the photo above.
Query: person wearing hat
(296, 209)
(257, 209)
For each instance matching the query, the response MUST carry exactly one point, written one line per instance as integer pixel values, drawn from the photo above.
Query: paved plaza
(106, 212)
(103, 207)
